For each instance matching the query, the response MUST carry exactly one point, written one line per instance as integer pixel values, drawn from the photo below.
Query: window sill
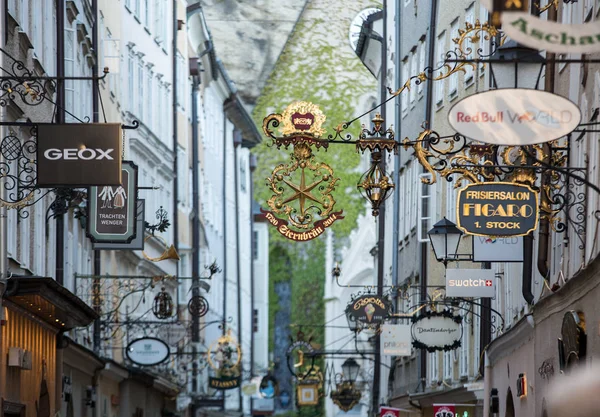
(453, 95)
(127, 8)
(137, 18)
(147, 30)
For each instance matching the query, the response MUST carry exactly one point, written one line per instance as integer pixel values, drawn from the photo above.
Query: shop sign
(138, 242)
(497, 209)
(479, 283)
(269, 387)
(437, 331)
(389, 411)
(396, 340)
(76, 155)
(112, 209)
(287, 231)
(497, 249)
(224, 383)
(263, 405)
(370, 309)
(307, 394)
(147, 351)
(345, 397)
(514, 116)
(224, 357)
(444, 410)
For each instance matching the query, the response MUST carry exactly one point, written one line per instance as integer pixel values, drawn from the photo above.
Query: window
(440, 51)
(182, 80)
(470, 19)
(182, 185)
(413, 71)
(130, 81)
(243, 178)
(146, 13)
(404, 94)
(137, 8)
(451, 194)
(148, 98)
(254, 245)
(422, 64)
(464, 350)
(128, 5)
(425, 206)
(453, 79)
(448, 364)
(484, 45)
(140, 89)
(70, 48)
(433, 366)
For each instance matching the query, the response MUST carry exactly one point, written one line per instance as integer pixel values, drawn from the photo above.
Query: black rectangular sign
(76, 155)
(112, 209)
(497, 209)
(135, 244)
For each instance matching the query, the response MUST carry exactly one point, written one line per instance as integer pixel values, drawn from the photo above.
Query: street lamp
(350, 370)
(445, 238)
(514, 65)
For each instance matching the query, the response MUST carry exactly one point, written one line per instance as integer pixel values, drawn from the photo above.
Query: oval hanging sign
(437, 331)
(370, 309)
(497, 209)
(514, 116)
(147, 351)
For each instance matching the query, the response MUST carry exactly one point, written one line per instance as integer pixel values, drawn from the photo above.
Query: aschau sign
(112, 209)
(147, 351)
(543, 34)
(437, 331)
(514, 116)
(78, 154)
(497, 209)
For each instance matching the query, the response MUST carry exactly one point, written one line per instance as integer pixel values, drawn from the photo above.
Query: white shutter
(425, 207)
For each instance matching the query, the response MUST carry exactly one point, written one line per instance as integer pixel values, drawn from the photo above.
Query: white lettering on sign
(470, 283)
(86, 154)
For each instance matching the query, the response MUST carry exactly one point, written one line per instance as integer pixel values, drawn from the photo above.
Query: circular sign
(147, 351)
(514, 116)
(198, 306)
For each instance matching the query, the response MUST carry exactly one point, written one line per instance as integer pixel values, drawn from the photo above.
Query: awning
(454, 395)
(49, 301)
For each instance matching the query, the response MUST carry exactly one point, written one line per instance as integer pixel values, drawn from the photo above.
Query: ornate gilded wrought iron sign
(370, 309)
(301, 207)
(497, 209)
(224, 356)
(345, 396)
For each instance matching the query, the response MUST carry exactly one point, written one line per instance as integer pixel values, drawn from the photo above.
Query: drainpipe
(60, 118)
(195, 222)
(544, 229)
(487, 385)
(175, 144)
(3, 210)
(60, 220)
(428, 112)
(237, 142)
(381, 222)
(95, 119)
(252, 249)
(224, 222)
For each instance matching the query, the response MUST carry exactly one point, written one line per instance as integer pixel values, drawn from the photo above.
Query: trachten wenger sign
(112, 209)
(147, 351)
(514, 116)
(138, 242)
(497, 209)
(478, 283)
(437, 331)
(75, 155)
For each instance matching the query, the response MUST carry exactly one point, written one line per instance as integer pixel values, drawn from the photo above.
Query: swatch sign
(514, 116)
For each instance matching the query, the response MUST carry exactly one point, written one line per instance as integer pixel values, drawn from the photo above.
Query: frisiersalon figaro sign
(78, 154)
(514, 116)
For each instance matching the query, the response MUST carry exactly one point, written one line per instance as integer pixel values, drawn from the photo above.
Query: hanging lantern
(375, 185)
(198, 306)
(162, 307)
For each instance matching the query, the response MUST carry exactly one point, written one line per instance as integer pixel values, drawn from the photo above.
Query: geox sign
(75, 155)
